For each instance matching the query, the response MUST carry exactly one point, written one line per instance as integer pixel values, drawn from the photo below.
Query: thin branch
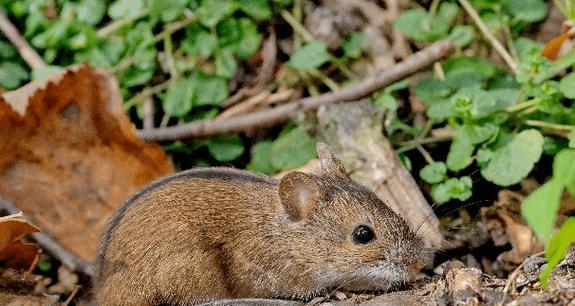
(280, 114)
(118, 24)
(488, 35)
(511, 279)
(26, 52)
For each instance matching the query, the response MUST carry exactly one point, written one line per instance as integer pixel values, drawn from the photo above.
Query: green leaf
(178, 100)
(441, 110)
(12, 75)
(199, 42)
(469, 64)
(476, 133)
(463, 79)
(572, 139)
(410, 24)
(430, 90)
(135, 77)
(250, 41)
(168, 10)
(386, 101)
(527, 10)
(567, 85)
(292, 149)
(434, 172)
(462, 35)
(226, 64)
(226, 148)
(406, 162)
(311, 55)
(355, 44)
(261, 160)
(399, 85)
(257, 9)
(453, 188)
(558, 247)
(512, 162)
(124, 8)
(564, 169)
(211, 12)
(229, 32)
(540, 208)
(460, 151)
(90, 12)
(6, 50)
(417, 23)
(525, 47)
(53, 37)
(209, 90)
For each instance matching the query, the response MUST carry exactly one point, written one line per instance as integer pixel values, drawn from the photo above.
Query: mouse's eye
(362, 234)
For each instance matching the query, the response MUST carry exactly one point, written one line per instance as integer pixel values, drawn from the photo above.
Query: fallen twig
(262, 99)
(277, 115)
(26, 52)
(49, 244)
(512, 278)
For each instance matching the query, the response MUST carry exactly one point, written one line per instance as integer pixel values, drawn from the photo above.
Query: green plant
(503, 122)
(541, 207)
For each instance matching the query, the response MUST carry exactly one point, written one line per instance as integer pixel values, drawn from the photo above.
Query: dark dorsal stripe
(223, 174)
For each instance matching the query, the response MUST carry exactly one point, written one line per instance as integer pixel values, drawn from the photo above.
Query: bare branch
(26, 52)
(280, 114)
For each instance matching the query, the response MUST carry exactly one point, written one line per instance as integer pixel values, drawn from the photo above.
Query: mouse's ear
(329, 162)
(298, 193)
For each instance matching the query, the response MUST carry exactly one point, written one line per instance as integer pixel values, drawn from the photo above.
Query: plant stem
(522, 105)
(165, 120)
(169, 51)
(298, 15)
(425, 154)
(144, 94)
(342, 67)
(412, 144)
(175, 26)
(331, 84)
(488, 35)
(110, 28)
(509, 41)
(548, 125)
(439, 73)
(297, 26)
(433, 8)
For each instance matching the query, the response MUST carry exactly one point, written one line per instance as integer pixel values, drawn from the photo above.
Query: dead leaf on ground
(13, 252)
(69, 156)
(505, 225)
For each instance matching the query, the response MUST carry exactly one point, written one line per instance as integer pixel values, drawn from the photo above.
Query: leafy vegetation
(503, 121)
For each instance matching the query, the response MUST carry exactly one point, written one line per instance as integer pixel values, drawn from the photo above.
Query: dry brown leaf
(69, 156)
(13, 227)
(14, 253)
(19, 255)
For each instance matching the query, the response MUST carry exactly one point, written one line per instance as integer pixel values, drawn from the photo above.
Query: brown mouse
(219, 233)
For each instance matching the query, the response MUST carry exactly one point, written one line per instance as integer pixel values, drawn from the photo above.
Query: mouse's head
(352, 239)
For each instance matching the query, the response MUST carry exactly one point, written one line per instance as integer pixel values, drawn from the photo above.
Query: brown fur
(219, 233)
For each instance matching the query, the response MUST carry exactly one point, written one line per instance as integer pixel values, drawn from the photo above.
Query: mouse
(210, 234)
